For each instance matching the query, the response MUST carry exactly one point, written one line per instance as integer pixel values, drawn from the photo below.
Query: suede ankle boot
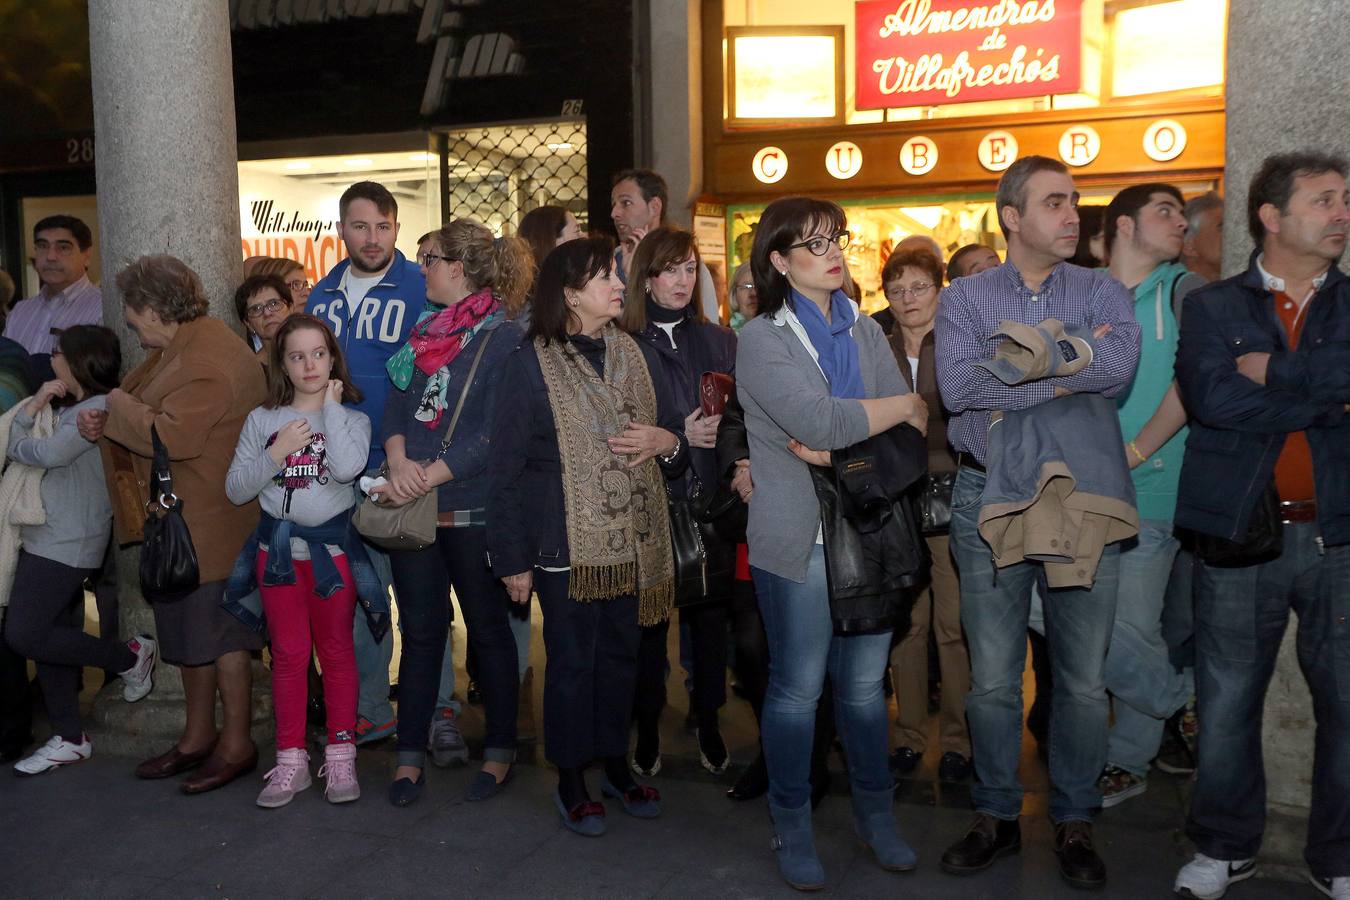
(795, 848)
(874, 820)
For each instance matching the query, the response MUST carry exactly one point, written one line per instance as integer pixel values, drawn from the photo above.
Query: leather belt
(1298, 511)
(966, 461)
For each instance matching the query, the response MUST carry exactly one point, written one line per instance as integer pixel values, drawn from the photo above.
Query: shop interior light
(422, 157)
(1168, 47)
(564, 145)
(358, 162)
(766, 88)
(299, 165)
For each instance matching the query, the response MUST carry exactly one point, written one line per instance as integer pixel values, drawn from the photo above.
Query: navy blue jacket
(526, 519)
(699, 347)
(1238, 427)
(469, 451)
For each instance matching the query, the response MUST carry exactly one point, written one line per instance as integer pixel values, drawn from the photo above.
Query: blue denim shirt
(243, 601)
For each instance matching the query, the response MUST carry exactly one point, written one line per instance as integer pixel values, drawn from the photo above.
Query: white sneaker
(56, 752)
(1208, 879)
(1336, 888)
(139, 680)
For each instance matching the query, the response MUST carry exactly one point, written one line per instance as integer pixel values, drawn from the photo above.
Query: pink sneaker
(339, 767)
(289, 777)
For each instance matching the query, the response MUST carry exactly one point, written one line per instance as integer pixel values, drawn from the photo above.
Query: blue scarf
(836, 350)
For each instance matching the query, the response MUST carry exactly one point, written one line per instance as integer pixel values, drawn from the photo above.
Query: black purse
(168, 567)
(1263, 542)
(703, 561)
(935, 503)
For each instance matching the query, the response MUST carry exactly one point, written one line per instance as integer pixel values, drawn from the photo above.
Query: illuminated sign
(933, 52)
(918, 156)
(769, 165)
(1164, 140)
(1079, 145)
(997, 150)
(843, 160)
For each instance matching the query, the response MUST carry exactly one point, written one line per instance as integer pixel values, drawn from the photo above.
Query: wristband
(1135, 447)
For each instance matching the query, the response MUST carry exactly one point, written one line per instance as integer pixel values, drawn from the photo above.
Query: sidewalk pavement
(93, 830)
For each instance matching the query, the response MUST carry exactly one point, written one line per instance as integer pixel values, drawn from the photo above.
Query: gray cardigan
(785, 396)
(74, 494)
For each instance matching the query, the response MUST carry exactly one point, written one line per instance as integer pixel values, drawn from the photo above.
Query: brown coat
(940, 456)
(196, 392)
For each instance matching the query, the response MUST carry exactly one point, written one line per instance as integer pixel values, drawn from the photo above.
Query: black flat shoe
(485, 786)
(904, 761)
(987, 840)
(753, 783)
(1079, 863)
(405, 791)
(953, 767)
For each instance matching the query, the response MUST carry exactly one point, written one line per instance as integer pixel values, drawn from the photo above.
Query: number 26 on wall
(79, 150)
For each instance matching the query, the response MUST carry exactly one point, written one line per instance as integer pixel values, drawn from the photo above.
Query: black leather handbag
(935, 503)
(1263, 541)
(168, 566)
(703, 561)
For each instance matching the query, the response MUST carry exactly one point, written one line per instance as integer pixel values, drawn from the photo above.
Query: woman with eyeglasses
(475, 282)
(291, 272)
(262, 303)
(814, 375)
(912, 281)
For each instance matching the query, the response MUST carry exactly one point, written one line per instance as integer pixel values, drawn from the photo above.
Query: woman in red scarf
(475, 283)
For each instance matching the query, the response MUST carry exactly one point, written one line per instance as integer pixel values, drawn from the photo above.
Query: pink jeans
(298, 620)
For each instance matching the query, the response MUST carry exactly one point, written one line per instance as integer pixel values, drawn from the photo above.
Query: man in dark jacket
(1264, 370)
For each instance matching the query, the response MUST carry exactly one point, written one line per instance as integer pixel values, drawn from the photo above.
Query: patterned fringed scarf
(618, 527)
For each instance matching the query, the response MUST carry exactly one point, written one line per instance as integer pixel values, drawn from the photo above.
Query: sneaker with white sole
(139, 680)
(1204, 878)
(1118, 785)
(288, 777)
(56, 752)
(444, 740)
(1336, 888)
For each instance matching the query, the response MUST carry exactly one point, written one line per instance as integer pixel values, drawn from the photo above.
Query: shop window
(288, 207)
(1163, 47)
(499, 173)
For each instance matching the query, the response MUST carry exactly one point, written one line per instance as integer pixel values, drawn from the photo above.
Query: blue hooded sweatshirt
(373, 332)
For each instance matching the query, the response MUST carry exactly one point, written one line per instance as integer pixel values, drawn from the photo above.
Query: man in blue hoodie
(1144, 229)
(371, 300)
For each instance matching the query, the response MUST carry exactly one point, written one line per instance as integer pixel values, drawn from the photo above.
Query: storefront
(907, 111)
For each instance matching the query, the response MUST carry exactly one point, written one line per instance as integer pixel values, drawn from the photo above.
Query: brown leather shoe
(172, 763)
(216, 773)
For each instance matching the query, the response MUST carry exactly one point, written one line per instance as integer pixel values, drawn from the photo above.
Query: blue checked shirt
(970, 312)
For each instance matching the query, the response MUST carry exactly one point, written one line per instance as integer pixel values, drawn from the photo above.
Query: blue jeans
(802, 647)
(372, 659)
(995, 606)
(1240, 618)
(1145, 685)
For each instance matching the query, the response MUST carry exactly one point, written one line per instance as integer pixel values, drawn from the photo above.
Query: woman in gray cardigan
(60, 553)
(813, 375)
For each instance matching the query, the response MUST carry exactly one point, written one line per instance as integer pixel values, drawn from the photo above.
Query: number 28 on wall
(79, 150)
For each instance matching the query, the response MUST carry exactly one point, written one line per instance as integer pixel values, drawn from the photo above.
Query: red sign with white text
(934, 52)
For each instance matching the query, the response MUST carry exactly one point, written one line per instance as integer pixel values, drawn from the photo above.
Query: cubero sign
(934, 52)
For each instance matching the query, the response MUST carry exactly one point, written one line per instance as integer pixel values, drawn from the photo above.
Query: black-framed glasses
(819, 246)
(430, 259)
(258, 310)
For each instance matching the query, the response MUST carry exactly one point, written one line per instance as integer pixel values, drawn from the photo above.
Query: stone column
(168, 182)
(1277, 102)
(677, 103)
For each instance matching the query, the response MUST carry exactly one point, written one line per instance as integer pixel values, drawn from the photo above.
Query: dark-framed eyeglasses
(258, 310)
(819, 246)
(430, 259)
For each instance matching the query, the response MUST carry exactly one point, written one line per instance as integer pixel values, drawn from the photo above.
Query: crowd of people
(1135, 464)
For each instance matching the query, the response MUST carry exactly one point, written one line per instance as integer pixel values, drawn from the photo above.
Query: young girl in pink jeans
(299, 454)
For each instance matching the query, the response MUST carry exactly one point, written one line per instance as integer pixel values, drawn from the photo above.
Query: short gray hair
(1012, 187)
(165, 284)
(1196, 207)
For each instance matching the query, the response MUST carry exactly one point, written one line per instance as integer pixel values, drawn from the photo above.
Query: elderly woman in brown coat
(196, 387)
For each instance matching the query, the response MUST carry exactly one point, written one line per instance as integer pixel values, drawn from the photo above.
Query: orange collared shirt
(1294, 468)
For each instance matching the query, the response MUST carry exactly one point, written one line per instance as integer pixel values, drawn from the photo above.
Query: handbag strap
(160, 472)
(464, 392)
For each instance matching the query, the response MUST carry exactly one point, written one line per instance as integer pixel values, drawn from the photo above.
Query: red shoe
(368, 732)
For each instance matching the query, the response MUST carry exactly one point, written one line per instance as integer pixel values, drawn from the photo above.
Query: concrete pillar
(168, 182)
(677, 103)
(1277, 102)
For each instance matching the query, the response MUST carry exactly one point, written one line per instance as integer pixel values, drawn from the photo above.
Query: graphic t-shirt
(315, 483)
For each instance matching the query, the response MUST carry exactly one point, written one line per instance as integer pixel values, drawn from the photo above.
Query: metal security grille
(498, 173)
